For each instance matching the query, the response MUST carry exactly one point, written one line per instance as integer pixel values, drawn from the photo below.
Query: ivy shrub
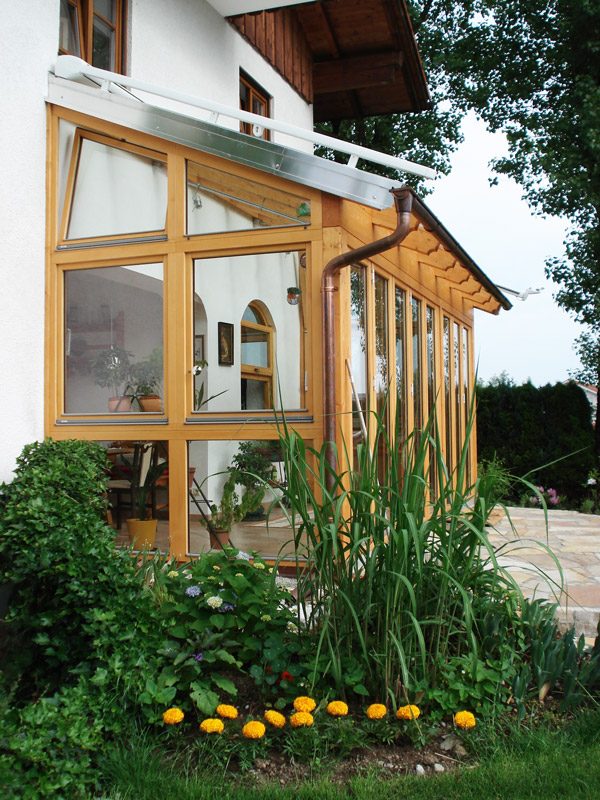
(79, 607)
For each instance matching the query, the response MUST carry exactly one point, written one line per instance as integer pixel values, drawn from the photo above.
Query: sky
(534, 340)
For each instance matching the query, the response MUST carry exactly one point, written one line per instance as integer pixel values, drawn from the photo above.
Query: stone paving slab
(574, 539)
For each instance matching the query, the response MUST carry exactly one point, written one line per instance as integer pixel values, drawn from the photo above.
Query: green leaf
(225, 684)
(360, 689)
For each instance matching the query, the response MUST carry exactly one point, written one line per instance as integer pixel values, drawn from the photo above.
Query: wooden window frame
(85, 18)
(254, 91)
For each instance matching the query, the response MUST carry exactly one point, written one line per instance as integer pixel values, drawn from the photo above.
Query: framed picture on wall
(225, 344)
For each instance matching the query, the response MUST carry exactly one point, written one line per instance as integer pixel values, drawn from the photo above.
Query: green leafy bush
(220, 612)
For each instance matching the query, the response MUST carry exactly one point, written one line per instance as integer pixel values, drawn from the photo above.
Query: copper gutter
(403, 198)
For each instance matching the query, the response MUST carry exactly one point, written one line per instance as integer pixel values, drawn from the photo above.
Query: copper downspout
(403, 203)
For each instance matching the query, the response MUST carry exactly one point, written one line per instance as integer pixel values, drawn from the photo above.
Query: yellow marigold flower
(408, 712)
(212, 726)
(172, 716)
(464, 719)
(301, 719)
(337, 708)
(376, 711)
(275, 719)
(306, 704)
(227, 712)
(253, 730)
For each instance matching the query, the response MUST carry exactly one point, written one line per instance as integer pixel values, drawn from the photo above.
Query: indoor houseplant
(142, 529)
(145, 381)
(111, 368)
(252, 469)
(223, 515)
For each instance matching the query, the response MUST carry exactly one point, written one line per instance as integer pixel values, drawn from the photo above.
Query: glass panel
(103, 45)
(113, 339)
(256, 394)
(457, 391)
(381, 343)
(255, 347)
(266, 361)
(106, 9)
(401, 361)
(252, 315)
(416, 347)
(358, 346)
(117, 192)
(430, 359)
(466, 398)
(430, 322)
(208, 464)
(68, 37)
(130, 463)
(219, 201)
(448, 394)
(381, 365)
(258, 107)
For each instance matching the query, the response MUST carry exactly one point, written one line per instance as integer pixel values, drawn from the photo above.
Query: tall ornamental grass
(399, 586)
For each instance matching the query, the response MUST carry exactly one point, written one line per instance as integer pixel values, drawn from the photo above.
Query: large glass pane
(266, 527)
(106, 9)
(69, 40)
(448, 394)
(466, 398)
(117, 192)
(417, 368)
(358, 346)
(113, 339)
(240, 305)
(220, 201)
(430, 323)
(381, 366)
(401, 361)
(457, 392)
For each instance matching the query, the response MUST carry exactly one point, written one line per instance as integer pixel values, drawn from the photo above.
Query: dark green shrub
(79, 606)
(545, 434)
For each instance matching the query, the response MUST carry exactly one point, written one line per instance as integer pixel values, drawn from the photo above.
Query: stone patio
(536, 556)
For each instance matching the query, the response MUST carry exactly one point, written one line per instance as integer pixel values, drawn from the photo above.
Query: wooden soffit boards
(350, 58)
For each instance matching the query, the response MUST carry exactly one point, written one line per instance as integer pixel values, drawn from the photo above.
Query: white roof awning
(82, 88)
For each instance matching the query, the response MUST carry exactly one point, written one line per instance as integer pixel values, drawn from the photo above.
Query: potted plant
(142, 529)
(111, 369)
(252, 469)
(293, 295)
(229, 510)
(146, 379)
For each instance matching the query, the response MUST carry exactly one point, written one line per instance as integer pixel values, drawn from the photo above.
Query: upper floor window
(254, 99)
(94, 30)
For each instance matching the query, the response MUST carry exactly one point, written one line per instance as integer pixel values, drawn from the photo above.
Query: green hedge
(528, 427)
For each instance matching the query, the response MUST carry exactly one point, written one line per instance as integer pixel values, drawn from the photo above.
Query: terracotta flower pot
(151, 402)
(142, 533)
(119, 405)
(219, 538)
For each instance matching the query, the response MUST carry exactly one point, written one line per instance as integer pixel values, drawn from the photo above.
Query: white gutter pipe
(73, 68)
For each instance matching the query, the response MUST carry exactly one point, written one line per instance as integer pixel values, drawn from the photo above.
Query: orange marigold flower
(464, 719)
(408, 712)
(212, 726)
(275, 719)
(253, 730)
(172, 716)
(376, 711)
(227, 712)
(301, 719)
(337, 708)
(306, 704)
